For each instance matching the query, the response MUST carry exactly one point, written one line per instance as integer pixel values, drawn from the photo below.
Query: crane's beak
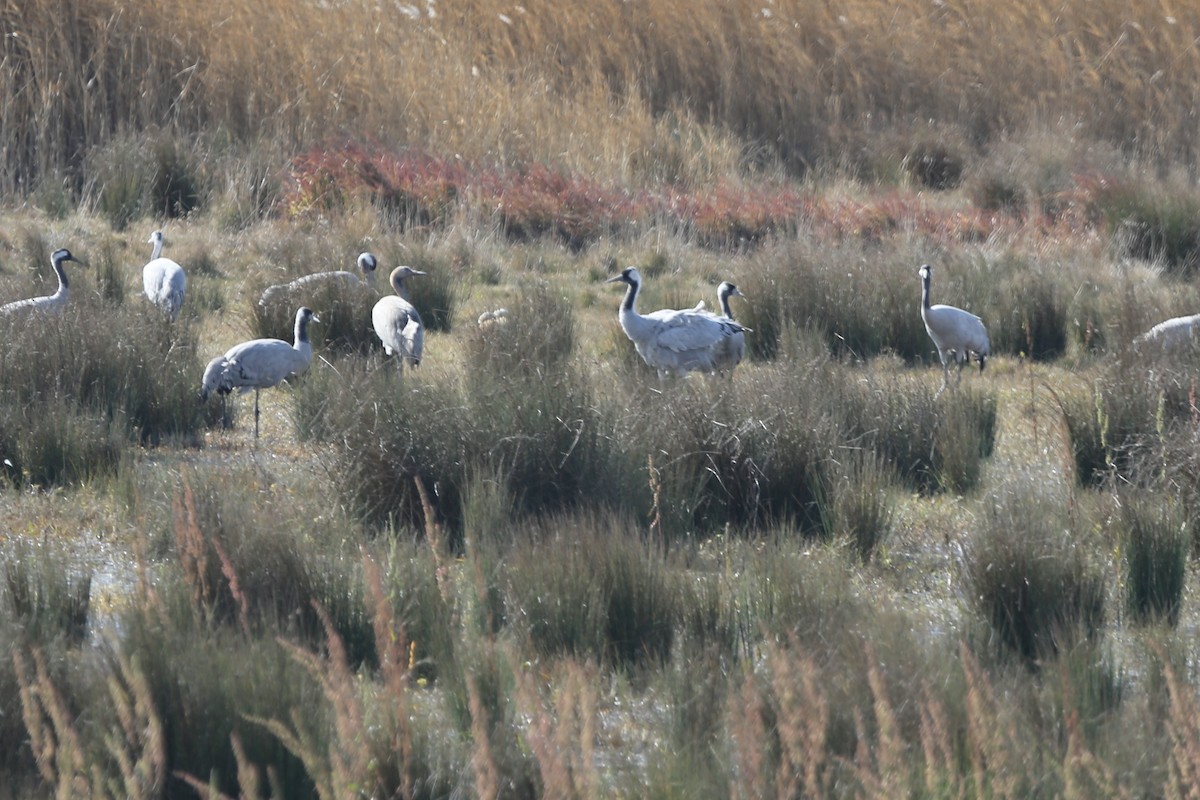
(615, 279)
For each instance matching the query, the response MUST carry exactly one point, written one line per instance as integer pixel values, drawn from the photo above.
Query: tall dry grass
(665, 90)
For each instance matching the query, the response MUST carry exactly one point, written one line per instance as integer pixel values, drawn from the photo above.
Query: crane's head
(214, 379)
(306, 315)
(401, 274)
(367, 262)
(926, 272)
(155, 238)
(628, 275)
(63, 254)
(727, 289)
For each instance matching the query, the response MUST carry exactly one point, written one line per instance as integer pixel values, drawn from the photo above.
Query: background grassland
(530, 569)
(666, 91)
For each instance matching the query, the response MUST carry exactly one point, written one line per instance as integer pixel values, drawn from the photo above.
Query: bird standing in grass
(397, 323)
(672, 341)
(163, 280)
(367, 264)
(50, 304)
(1172, 333)
(730, 350)
(954, 332)
(260, 363)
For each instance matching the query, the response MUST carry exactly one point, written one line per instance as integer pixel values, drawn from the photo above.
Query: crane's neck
(62, 276)
(158, 246)
(302, 342)
(723, 296)
(401, 290)
(629, 304)
(925, 292)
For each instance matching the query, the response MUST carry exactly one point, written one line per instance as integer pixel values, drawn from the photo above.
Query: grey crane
(163, 280)
(367, 264)
(397, 323)
(50, 304)
(672, 341)
(728, 352)
(260, 363)
(955, 333)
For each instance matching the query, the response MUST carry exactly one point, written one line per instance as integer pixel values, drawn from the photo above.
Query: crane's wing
(261, 362)
(691, 330)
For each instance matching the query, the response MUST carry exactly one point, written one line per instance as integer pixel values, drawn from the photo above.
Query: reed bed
(661, 93)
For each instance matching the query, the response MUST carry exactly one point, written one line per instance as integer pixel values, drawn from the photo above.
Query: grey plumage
(367, 263)
(672, 341)
(956, 333)
(163, 281)
(49, 304)
(260, 363)
(397, 323)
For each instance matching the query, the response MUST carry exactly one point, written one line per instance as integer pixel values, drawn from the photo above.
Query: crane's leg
(945, 375)
(256, 415)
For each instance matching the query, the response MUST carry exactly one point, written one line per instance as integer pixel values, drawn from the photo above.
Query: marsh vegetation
(530, 568)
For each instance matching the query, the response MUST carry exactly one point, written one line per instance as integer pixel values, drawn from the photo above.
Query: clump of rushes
(1155, 544)
(47, 598)
(76, 386)
(1152, 224)
(1030, 580)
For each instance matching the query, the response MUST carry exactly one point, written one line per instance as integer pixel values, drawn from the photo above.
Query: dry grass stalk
(344, 767)
(890, 772)
(803, 724)
(656, 495)
(483, 764)
(239, 597)
(191, 547)
(563, 740)
(141, 755)
(249, 777)
(56, 743)
(995, 746)
(391, 643)
(937, 747)
(1183, 725)
(748, 729)
(1085, 775)
(433, 537)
